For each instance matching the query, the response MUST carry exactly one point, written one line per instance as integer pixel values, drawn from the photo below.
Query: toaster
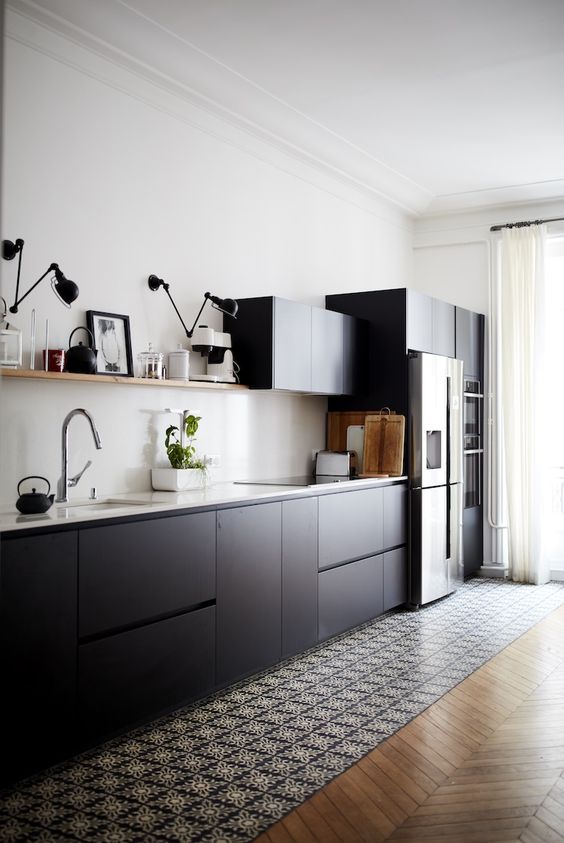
(337, 463)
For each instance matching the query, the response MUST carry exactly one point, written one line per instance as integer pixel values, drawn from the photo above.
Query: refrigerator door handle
(448, 427)
(448, 524)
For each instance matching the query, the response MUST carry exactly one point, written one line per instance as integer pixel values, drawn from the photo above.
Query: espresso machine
(215, 347)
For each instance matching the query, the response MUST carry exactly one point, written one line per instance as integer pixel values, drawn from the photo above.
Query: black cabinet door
(252, 337)
(395, 515)
(132, 676)
(419, 318)
(249, 573)
(355, 335)
(395, 578)
(38, 641)
(132, 573)
(292, 345)
(443, 328)
(327, 351)
(351, 525)
(350, 595)
(299, 575)
(430, 324)
(380, 349)
(473, 539)
(470, 342)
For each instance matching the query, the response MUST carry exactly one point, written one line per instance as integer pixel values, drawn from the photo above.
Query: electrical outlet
(213, 460)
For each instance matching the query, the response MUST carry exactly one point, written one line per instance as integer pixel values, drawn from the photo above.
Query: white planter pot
(177, 479)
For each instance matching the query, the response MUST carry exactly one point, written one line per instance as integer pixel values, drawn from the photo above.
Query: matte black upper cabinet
(430, 324)
(282, 344)
(396, 320)
(470, 342)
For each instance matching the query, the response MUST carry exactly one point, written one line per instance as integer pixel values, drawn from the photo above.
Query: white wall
(115, 179)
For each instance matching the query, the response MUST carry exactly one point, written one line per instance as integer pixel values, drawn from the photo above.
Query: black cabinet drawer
(129, 573)
(129, 677)
(395, 578)
(395, 515)
(350, 595)
(351, 525)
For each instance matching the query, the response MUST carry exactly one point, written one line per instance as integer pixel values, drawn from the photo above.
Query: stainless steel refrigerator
(435, 475)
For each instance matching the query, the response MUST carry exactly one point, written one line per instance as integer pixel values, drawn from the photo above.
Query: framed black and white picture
(112, 339)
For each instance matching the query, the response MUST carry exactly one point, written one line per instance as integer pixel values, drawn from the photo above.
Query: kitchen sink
(93, 507)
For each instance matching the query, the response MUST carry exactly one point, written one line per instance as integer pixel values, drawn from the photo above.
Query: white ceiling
(436, 104)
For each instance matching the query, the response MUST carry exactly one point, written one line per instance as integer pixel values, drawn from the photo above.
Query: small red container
(56, 359)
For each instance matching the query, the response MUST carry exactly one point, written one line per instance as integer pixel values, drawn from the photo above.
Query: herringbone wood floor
(484, 763)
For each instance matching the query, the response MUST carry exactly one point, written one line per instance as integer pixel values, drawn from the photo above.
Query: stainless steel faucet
(65, 482)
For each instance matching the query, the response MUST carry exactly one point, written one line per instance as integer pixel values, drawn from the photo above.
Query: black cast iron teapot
(34, 502)
(82, 359)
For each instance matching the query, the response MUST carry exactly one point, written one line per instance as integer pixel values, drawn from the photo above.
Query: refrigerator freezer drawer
(456, 557)
(436, 560)
(428, 559)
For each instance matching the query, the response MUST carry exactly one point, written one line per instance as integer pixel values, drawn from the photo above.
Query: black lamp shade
(11, 249)
(227, 306)
(64, 288)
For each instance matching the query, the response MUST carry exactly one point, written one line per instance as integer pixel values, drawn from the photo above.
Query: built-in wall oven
(473, 450)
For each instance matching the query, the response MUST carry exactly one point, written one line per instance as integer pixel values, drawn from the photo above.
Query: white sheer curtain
(525, 409)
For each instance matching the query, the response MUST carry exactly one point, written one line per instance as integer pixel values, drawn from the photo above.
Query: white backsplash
(256, 435)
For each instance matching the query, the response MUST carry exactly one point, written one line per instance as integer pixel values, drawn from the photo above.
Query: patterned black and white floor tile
(228, 767)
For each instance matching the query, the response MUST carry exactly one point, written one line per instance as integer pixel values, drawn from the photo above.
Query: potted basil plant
(187, 470)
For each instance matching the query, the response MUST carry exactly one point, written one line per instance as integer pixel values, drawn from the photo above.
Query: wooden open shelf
(39, 374)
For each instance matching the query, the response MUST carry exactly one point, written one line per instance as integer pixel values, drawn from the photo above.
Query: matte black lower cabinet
(106, 626)
(351, 525)
(249, 572)
(395, 578)
(299, 575)
(123, 679)
(395, 515)
(38, 641)
(350, 595)
(133, 573)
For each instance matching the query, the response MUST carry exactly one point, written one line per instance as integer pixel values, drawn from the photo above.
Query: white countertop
(83, 510)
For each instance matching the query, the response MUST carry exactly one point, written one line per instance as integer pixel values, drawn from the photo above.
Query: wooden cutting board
(383, 444)
(337, 424)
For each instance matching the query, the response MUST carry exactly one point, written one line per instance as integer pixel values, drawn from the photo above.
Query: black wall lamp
(228, 306)
(65, 289)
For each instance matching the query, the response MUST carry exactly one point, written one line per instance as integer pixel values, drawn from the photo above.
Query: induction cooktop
(303, 480)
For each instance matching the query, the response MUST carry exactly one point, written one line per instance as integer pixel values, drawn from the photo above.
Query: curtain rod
(524, 224)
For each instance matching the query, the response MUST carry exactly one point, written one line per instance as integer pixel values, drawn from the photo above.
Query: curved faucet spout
(64, 481)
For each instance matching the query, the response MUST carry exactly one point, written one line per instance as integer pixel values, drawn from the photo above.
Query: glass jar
(151, 364)
(10, 341)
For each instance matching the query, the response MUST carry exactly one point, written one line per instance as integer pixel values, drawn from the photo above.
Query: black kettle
(34, 502)
(82, 359)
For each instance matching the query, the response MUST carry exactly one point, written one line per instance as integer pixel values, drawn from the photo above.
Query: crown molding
(493, 198)
(133, 43)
